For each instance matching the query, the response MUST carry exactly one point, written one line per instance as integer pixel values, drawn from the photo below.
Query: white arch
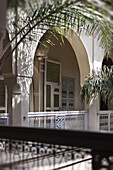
(80, 53)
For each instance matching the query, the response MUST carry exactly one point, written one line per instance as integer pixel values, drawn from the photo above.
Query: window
(68, 93)
(53, 72)
(52, 85)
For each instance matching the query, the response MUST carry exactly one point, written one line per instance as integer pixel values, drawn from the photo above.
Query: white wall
(94, 51)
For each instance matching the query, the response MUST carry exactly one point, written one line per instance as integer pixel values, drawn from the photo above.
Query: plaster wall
(94, 51)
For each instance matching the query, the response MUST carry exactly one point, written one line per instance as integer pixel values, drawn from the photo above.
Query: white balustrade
(106, 120)
(59, 119)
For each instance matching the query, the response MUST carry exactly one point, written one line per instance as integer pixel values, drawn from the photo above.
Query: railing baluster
(61, 119)
(105, 120)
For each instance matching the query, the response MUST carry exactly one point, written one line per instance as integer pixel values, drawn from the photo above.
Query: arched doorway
(60, 74)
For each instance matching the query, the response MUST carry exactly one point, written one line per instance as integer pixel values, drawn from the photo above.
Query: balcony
(57, 140)
(41, 148)
(64, 120)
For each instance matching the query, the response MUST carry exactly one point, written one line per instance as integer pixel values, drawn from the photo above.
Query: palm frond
(80, 15)
(59, 14)
(99, 83)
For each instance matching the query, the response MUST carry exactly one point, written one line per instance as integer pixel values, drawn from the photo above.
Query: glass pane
(71, 105)
(56, 100)
(64, 88)
(64, 104)
(2, 93)
(71, 93)
(53, 72)
(56, 90)
(68, 93)
(71, 87)
(48, 96)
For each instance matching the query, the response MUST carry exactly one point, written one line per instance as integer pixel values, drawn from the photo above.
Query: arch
(75, 58)
(80, 53)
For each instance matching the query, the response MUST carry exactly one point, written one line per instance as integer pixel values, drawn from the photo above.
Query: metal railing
(59, 119)
(28, 148)
(106, 120)
(4, 119)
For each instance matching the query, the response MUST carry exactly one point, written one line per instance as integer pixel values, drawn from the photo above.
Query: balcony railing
(59, 119)
(106, 120)
(4, 119)
(29, 148)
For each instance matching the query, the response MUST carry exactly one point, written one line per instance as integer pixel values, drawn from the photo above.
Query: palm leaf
(81, 16)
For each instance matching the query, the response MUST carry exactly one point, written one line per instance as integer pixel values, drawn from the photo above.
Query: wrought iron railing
(59, 119)
(106, 120)
(28, 148)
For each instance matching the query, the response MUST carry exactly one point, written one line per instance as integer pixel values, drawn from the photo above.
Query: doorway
(51, 86)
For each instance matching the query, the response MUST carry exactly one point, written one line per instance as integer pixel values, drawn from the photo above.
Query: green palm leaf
(99, 83)
(81, 15)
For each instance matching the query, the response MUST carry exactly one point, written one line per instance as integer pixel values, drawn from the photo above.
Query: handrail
(105, 111)
(30, 114)
(4, 115)
(100, 141)
(59, 119)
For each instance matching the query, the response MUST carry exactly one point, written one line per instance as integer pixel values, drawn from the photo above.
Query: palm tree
(77, 14)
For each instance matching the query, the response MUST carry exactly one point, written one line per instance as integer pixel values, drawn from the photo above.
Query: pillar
(20, 101)
(93, 118)
(17, 73)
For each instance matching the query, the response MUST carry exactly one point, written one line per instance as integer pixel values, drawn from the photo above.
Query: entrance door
(52, 86)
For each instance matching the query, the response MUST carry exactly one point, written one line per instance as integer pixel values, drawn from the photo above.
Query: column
(93, 118)
(94, 106)
(20, 101)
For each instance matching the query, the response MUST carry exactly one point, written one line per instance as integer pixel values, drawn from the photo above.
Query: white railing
(59, 119)
(106, 120)
(4, 119)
